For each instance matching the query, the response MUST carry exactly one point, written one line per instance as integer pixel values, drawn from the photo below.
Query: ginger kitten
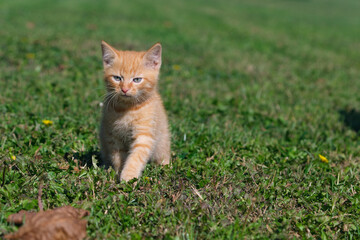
(134, 126)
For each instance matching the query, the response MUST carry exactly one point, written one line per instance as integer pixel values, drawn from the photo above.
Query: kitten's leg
(111, 153)
(123, 156)
(140, 153)
(105, 149)
(111, 156)
(162, 150)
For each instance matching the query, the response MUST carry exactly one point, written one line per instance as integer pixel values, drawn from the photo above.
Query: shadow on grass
(86, 158)
(351, 118)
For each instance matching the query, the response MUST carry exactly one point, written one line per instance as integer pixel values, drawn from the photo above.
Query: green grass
(263, 88)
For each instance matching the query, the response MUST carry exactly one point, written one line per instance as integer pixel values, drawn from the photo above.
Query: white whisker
(109, 97)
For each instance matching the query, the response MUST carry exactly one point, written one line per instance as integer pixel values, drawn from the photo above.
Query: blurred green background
(255, 90)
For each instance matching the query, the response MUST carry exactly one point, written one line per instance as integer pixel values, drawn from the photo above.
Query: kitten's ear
(108, 54)
(152, 57)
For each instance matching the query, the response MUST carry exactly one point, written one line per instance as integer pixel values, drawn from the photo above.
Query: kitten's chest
(123, 127)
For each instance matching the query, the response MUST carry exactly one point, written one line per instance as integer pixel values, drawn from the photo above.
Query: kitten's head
(131, 77)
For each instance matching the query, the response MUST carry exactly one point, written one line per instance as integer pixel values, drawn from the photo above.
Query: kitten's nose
(124, 90)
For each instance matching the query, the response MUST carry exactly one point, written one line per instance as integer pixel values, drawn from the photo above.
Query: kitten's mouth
(124, 95)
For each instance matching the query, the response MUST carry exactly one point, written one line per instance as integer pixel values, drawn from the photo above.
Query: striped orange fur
(134, 127)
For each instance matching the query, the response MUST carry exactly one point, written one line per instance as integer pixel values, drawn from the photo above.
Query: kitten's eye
(117, 78)
(137, 80)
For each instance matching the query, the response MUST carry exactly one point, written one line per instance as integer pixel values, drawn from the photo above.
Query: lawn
(255, 90)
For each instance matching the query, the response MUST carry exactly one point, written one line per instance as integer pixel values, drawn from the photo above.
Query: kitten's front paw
(164, 162)
(126, 176)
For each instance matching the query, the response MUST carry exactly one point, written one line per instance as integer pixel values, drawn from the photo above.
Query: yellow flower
(47, 122)
(13, 157)
(323, 159)
(30, 55)
(176, 67)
